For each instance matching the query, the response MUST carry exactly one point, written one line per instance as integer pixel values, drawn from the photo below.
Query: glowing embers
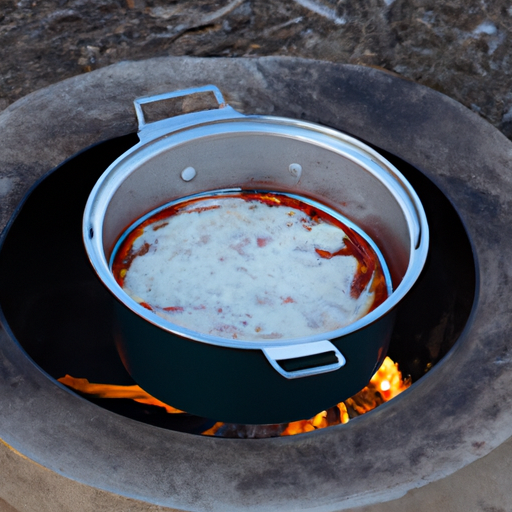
(251, 266)
(384, 385)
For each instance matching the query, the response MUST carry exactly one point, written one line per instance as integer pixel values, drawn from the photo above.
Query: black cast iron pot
(253, 382)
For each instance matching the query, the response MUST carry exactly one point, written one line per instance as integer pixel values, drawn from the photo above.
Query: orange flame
(112, 391)
(383, 386)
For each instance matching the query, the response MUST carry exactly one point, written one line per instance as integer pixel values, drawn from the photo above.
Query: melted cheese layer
(243, 269)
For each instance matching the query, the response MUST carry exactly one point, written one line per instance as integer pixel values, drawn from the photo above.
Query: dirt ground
(461, 48)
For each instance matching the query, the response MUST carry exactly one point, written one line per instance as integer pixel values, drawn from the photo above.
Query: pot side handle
(305, 359)
(154, 129)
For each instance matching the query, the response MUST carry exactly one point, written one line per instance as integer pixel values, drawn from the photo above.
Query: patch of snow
(322, 10)
(487, 27)
(507, 116)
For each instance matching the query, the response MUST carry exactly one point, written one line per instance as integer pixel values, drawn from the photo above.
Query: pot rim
(171, 133)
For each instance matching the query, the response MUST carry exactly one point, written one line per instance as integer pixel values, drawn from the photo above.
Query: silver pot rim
(164, 135)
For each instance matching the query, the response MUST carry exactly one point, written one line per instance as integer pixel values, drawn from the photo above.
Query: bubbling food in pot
(251, 266)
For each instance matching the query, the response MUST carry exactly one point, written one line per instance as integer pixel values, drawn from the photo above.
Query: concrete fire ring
(455, 415)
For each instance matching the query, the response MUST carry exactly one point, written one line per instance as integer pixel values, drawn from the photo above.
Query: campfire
(387, 383)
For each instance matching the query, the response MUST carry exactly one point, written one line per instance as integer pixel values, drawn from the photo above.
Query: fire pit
(352, 464)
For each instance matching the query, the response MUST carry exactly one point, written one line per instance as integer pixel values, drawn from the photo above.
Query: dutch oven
(244, 381)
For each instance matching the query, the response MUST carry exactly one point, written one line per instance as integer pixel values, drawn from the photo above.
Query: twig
(206, 20)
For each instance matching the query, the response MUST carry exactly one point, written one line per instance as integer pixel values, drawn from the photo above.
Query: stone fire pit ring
(454, 415)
